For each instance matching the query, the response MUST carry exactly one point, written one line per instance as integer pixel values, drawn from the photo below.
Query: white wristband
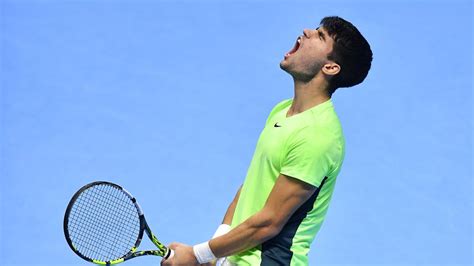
(203, 253)
(221, 230)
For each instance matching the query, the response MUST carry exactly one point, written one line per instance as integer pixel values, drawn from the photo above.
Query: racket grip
(169, 254)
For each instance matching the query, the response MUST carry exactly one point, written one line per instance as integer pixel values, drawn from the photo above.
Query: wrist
(221, 230)
(203, 253)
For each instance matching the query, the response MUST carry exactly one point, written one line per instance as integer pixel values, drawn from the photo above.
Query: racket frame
(162, 251)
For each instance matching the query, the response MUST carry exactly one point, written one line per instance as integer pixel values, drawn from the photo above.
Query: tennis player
(282, 203)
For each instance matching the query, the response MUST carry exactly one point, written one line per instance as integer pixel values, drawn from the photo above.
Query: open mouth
(295, 48)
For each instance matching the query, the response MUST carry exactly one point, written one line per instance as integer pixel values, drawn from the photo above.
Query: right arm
(227, 221)
(230, 210)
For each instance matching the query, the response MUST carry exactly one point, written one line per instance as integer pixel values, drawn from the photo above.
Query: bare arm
(286, 197)
(230, 210)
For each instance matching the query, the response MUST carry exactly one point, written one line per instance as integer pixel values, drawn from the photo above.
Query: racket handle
(169, 254)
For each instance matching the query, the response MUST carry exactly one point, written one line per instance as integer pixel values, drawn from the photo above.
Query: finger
(174, 245)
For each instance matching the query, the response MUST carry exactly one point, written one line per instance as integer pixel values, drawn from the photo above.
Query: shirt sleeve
(309, 155)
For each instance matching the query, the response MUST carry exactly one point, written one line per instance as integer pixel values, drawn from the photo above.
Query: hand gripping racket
(104, 224)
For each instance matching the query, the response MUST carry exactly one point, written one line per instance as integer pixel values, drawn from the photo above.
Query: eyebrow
(321, 34)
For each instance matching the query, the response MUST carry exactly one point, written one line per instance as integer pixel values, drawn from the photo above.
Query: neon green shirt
(309, 146)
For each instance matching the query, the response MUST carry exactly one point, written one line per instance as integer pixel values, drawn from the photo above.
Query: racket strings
(111, 230)
(108, 245)
(114, 231)
(103, 223)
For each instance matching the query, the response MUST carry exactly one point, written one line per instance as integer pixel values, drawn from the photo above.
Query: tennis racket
(104, 224)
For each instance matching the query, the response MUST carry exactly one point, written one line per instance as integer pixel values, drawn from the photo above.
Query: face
(309, 55)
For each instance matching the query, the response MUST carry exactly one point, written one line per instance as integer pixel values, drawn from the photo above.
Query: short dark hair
(350, 50)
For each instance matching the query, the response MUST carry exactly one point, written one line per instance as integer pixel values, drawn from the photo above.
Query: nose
(307, 33)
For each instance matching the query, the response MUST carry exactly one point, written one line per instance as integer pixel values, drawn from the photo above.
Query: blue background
(168, 100)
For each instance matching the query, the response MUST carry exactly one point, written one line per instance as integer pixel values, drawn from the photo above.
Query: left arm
(287, 195)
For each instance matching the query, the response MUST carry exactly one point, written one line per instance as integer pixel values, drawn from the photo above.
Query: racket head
(103, 223)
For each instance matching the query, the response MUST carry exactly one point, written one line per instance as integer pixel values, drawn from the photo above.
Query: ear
(331, 69)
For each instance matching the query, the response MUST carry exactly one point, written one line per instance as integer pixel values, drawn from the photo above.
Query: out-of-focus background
(168, 98)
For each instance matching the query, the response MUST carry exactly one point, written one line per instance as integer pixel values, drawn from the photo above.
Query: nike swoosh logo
(276, 125)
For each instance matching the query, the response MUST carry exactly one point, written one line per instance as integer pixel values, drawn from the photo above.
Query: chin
(284, 65)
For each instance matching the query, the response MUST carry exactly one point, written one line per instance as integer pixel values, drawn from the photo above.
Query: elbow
(268, 227)
(271, 231)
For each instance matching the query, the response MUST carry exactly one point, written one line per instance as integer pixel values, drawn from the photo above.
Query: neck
(308, 94)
